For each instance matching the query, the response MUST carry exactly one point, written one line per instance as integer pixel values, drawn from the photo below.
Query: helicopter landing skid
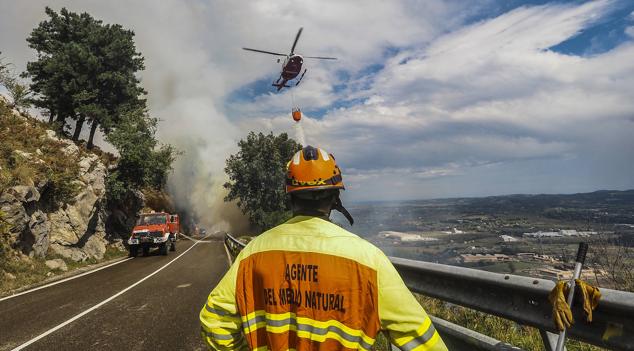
(301, 77)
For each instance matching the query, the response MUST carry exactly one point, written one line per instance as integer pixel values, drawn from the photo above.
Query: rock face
(120, 221)
(15, 204)
(78, 230)
(38, 233)
(14, 213)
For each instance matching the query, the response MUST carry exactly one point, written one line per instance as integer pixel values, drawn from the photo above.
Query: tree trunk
(93, 128)
(78, 126)
(60, 122)
(51, 116)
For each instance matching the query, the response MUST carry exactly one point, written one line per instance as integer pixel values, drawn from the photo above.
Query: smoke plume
(299, 133)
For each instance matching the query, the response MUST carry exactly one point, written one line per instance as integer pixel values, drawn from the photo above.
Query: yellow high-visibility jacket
(308, 284)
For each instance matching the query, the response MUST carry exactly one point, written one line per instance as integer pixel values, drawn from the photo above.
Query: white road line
(190, 238)
(201, 240)
(58, 327)
(63, 280)
(228, 254)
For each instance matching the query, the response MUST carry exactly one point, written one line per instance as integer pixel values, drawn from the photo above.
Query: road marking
(60, 326)
(192, 239)
(229, 260)
(202, 240)
(184, 286)
(63, 280)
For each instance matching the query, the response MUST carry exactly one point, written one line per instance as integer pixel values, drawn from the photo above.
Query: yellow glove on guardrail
(562, 316)
(591, 296)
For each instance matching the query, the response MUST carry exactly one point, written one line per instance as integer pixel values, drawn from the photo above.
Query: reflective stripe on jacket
(308, 284)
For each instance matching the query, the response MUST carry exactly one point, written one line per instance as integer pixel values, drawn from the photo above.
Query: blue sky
(596, 38)
(471, 131)
(437, 98)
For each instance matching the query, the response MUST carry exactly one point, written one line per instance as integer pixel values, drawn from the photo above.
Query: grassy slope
(46, 161)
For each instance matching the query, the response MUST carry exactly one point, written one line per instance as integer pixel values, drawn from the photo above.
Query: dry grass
(526, 338)
(43, 163)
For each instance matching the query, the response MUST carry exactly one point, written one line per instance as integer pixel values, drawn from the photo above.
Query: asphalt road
(145, 303)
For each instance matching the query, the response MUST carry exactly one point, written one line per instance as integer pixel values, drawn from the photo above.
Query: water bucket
(297, 114)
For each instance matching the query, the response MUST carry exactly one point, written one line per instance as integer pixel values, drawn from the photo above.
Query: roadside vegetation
(26, 271)
(526, 338)
(257, 174)
(142, 163)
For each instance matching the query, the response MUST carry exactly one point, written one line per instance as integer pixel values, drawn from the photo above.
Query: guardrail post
(550, 340)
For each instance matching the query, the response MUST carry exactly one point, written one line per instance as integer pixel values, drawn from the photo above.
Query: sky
(428, 99)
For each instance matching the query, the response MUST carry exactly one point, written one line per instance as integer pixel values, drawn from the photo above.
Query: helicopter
(292, 65)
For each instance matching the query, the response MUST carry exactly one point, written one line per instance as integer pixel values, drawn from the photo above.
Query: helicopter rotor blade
(296, 39)
(320, 57)
(265, 52)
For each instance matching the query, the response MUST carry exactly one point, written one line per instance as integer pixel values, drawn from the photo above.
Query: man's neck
(317, 214)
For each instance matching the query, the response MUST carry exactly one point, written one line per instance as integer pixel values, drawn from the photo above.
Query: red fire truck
(158, 229)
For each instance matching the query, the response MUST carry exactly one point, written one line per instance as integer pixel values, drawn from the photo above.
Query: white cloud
(491, 94)
(194, 61)
(453, 110)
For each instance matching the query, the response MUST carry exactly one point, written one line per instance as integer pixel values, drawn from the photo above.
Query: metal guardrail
(517, 298)
(233, 245)
(523, 300)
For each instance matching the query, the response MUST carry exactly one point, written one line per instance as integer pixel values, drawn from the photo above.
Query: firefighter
(308, 284)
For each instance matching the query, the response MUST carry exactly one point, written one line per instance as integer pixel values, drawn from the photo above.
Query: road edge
(62, 276)
(95, 307)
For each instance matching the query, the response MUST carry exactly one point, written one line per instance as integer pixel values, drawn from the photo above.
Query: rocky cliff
(38, 224)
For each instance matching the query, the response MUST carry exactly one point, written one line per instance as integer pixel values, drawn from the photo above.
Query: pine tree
(85, 71)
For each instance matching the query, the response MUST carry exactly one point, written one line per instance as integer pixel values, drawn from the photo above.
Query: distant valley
(532, 235)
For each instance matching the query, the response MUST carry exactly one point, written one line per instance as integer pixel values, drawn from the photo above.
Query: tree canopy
(257, 173)
(85, 70)
(143, 162)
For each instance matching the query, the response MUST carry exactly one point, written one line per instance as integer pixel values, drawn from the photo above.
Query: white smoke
(299, 133)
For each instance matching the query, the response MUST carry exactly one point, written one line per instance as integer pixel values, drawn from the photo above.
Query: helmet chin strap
(339, 207)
